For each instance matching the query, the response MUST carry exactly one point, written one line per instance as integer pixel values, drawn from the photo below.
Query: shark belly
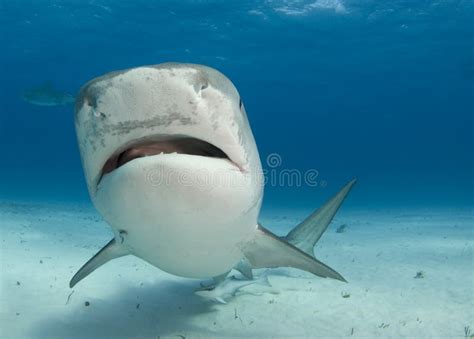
(186, 215)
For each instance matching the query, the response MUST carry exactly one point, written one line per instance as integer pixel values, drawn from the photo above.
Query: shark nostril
(200, 86)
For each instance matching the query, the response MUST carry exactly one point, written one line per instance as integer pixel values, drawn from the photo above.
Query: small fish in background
(229, 287)
(47, 95)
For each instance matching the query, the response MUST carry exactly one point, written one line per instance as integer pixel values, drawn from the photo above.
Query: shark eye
(240, 103)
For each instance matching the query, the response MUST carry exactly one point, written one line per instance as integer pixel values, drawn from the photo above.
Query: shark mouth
(144, 148)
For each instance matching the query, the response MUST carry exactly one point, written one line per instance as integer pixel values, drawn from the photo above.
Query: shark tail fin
(110, 251)
(308, 232)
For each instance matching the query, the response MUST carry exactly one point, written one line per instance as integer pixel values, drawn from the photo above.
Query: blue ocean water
(378, 90)
(334, 89)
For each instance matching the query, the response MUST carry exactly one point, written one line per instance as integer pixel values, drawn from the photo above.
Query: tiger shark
(171, 164)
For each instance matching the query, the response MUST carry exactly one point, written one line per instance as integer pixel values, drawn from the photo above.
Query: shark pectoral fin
(307, 233)
(110, 251)
(219, 299)
(268, 250)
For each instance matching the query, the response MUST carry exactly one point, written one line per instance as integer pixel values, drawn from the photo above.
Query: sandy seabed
(410, 274)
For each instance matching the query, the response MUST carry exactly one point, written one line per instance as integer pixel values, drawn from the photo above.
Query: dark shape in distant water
(341, 229)
(47, 95)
